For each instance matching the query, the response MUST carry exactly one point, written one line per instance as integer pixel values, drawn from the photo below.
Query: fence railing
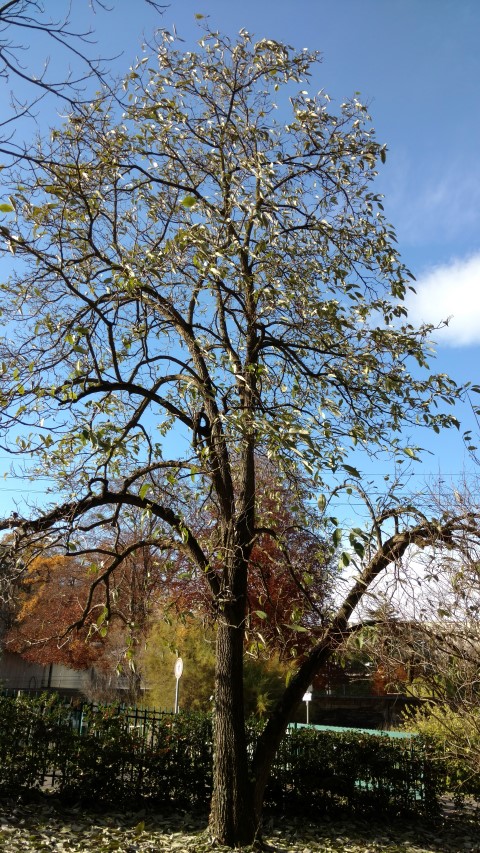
(143, 721)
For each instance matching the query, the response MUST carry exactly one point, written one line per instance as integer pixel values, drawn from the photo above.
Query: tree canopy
(195, 259)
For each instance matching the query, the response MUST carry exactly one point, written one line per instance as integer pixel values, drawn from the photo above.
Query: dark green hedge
(34, 735)
(109, 762)
(101, 757)
(354, 771)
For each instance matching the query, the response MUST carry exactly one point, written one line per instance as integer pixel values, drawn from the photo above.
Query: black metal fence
(143, 721)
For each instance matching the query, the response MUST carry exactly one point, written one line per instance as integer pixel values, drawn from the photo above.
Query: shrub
(454, 745)
(355, 771)
(34, 735)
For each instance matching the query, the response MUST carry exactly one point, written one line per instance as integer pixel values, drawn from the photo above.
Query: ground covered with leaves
(45, 827)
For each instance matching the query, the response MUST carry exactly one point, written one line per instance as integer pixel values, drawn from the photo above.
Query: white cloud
(450, 292)
(438, 203)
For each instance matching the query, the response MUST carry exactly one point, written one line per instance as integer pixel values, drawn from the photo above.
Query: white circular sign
(178, 668)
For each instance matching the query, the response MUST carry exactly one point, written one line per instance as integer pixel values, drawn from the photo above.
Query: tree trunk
(233, 820)
(239, 784)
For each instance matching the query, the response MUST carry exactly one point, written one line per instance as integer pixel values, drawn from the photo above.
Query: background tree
(426, 642)
(192, 637)
(285, 608)
(56, 591)
(291, 570)
(199, 286)
(50, 598)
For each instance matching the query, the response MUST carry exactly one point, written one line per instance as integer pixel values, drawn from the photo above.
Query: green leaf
(144, 490)
(261, 614)
(409, 451)
(6, 208)
(353, 472)
(337, 537)
(359, 549)
(189, 201)
(103, 615)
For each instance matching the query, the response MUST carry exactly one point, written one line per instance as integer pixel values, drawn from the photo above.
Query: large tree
(199, 285)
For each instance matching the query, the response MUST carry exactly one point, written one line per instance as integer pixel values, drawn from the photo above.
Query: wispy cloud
(436, 204)
(450, 292)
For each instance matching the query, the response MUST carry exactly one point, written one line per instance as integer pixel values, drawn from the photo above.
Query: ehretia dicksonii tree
(198, 285)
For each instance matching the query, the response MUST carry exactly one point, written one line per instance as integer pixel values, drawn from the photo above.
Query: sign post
(307, 698)
(178, 674)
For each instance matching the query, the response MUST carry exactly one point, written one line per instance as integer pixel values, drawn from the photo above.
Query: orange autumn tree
(50, 596)
(50, 623)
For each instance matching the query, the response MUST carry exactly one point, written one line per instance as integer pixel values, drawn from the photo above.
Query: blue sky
(417, 64)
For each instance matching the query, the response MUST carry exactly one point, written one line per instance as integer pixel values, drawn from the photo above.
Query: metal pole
(307, 699)
(177, 690)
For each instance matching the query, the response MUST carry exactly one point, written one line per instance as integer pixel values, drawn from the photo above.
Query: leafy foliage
(33, 734)
(50, 597)
(54, 593)
(192, 637)
(193, 640)
(332, 770)
(454, 737)
(213, 269)
(428, 647)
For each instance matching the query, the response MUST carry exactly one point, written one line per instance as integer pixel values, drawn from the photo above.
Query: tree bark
(233, 820)
(239, 785)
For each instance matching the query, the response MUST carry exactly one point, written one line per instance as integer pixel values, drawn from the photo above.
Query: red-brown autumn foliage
(289, 575)
(50, 598)
(287, 594)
